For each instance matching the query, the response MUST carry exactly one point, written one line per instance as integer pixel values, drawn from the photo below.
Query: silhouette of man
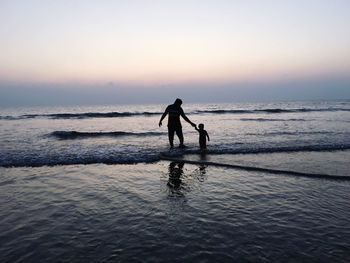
(174, 123)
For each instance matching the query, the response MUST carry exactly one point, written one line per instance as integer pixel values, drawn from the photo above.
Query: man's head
(178, 102)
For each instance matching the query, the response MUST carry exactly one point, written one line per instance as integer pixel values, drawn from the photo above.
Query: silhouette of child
(203, 135)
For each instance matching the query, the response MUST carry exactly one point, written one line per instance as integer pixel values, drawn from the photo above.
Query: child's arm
(207, 136)
(196, 128)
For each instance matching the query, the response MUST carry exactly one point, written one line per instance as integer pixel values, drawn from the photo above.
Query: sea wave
(270, 119)
(83, 159)
(230, 149)
(274, 110)
(114, 114)
(84, 115)
(296, 133)
(68, 135)
(49, 157)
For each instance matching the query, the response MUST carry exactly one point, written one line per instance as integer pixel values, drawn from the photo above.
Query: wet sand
(165, 212)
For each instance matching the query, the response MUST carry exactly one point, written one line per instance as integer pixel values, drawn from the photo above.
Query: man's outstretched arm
(163, 116)
(187, 119)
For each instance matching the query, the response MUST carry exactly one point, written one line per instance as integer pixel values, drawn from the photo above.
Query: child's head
(201, 126)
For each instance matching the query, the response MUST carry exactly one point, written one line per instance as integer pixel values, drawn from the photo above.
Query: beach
(136, 213)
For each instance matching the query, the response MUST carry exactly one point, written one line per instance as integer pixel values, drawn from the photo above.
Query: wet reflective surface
(170, 212)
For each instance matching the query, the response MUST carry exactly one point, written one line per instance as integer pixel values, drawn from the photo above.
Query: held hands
(160, 124)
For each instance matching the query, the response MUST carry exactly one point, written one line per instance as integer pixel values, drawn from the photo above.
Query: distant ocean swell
(85, 115)
(139, 155)
(277, 110)
(66, 135)
(269, 119)
(297, 133)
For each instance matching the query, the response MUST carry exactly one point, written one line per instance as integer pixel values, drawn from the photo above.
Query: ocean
(99, 184)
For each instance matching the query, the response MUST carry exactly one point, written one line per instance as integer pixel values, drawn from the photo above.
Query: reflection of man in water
(176, 171)
(175, 174)
(174, 123)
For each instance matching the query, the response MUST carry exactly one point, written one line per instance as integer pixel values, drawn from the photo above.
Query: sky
(58, 51)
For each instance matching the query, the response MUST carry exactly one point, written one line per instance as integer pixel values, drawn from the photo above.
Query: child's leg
(203, 144)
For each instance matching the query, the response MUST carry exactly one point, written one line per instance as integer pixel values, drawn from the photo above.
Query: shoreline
(273, 163)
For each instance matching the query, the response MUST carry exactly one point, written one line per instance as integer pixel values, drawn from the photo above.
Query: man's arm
(163, 116)
(186, 119)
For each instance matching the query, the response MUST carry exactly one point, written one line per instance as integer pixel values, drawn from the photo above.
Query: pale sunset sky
(160, 45)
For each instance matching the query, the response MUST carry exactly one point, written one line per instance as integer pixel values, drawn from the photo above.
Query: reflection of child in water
(203, 135)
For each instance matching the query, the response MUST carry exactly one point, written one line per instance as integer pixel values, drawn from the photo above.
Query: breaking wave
(67, 135)
(229, 149)
(138, 155)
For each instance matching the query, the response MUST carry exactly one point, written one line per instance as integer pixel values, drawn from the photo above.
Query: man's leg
(180, 135)
(171, 132)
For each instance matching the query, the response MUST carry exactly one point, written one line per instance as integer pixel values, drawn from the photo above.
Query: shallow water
(130, 133)
(327, 163)
(161, 212)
